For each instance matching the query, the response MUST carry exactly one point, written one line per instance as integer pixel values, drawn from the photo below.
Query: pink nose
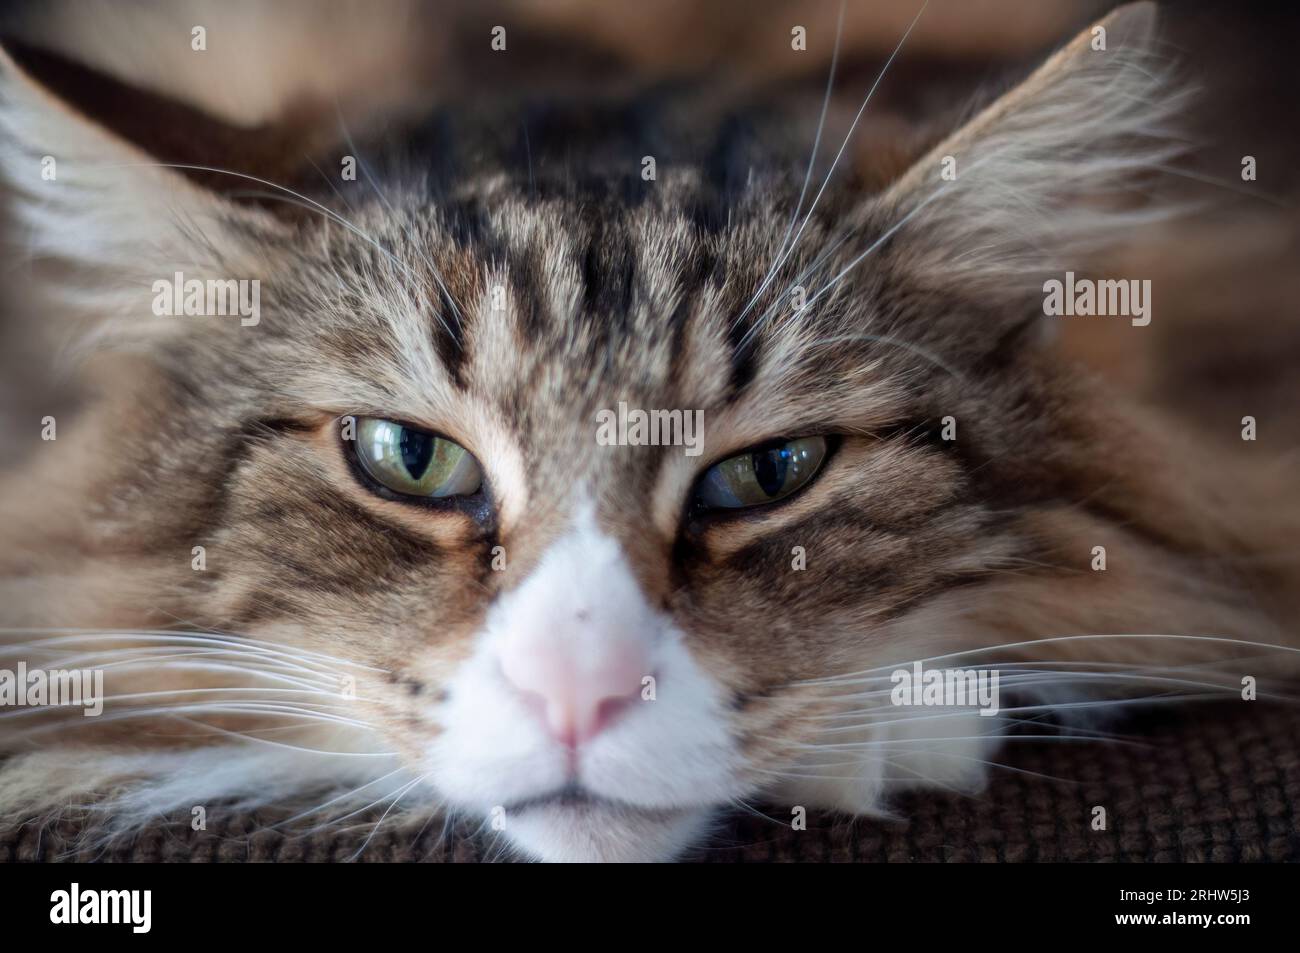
(576, 695)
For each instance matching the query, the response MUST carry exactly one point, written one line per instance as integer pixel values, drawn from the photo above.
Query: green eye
(415, 463)
(762, 475)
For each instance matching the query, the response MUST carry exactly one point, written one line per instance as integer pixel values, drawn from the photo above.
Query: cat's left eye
(762, 475)
(415, 463)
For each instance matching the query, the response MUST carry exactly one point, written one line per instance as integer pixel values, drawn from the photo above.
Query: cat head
(420, 445)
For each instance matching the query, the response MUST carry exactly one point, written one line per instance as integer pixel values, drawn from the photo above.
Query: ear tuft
(88, 200)
(1052, 171)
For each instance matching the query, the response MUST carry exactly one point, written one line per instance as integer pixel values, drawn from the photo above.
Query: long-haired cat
(356, 540)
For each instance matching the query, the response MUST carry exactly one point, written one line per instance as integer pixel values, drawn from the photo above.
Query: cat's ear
(1054, 170)
(99, 206)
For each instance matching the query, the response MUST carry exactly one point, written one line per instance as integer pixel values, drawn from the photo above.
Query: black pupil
(770, 467)
(417, 451)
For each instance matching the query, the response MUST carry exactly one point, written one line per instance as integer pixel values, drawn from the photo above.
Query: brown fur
(621, 290)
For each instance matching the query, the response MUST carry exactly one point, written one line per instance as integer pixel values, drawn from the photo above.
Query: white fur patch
(662, 765)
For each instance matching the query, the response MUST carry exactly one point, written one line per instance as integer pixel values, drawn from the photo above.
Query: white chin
(559, 833)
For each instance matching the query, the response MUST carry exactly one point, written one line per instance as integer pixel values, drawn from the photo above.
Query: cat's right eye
(415, 463)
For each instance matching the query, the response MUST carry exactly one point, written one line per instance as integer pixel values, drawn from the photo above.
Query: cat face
(397, 472)
(579, 639)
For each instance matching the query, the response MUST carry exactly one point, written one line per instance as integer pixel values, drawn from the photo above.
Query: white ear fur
(109, 209)
(1050, 171)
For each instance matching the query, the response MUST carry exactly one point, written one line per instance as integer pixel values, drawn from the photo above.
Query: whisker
(838, 155)
(341, 797)
(1049, 641)
(244, 708)
(299, 748)
(807, 179)
(192, 638)
(433, 269)
(311, 203)
(187, 661)
(1043, 709)
(1068, 678)
(921, 743)
(397, 798)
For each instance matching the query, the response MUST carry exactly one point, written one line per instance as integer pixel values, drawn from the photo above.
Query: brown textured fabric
(1220, 785)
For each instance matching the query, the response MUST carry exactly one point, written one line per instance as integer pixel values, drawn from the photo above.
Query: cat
(368, 550)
